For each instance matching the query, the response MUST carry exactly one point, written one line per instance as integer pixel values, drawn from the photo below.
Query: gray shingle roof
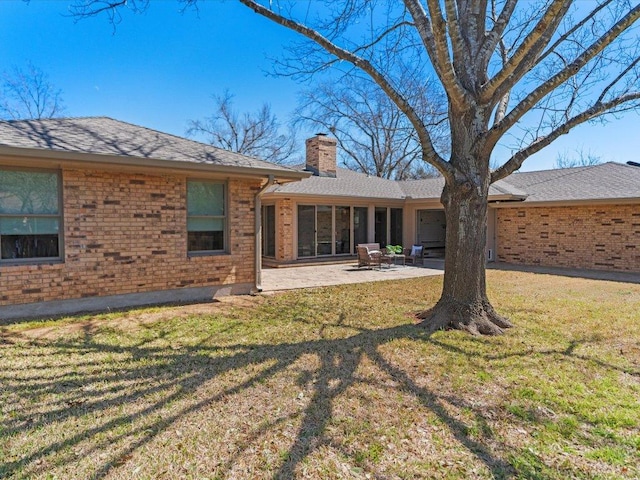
(606, 181)
(346, 183)
(106, 136)
(103, 136)
(431, 188)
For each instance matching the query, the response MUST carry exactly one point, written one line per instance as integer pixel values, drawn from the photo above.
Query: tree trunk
(464, 304)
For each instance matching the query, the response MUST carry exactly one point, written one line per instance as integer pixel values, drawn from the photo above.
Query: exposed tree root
(476, 319)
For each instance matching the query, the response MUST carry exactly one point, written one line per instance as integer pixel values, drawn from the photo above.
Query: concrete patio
(309, 276)
(275, 279)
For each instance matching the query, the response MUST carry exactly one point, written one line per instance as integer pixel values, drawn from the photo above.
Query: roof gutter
(257, 288)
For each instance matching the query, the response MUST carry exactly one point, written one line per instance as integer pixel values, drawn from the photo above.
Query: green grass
(335, 382)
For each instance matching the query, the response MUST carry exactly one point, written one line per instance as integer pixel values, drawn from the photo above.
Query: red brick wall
(126, 233)
(605, 237)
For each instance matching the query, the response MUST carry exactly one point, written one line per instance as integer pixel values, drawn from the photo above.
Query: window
(206, 216)
(29, 215)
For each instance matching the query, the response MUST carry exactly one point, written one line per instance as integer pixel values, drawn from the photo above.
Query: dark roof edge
(566, 203)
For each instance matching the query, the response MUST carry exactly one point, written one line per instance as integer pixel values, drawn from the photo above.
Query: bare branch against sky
(257, 134)
(28, 93)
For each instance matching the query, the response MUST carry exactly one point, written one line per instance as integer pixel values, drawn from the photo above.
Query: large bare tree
(523, 72)
(374, 136)
(28, 93)
(256, 134)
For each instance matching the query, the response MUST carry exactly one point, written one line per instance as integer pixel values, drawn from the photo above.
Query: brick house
(587, 217)
(97, 213)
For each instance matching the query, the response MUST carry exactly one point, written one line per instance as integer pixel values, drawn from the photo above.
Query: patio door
(324, 230)
(269, 230)
(324, 226)
(432, 230)
(306, 231)
(342, 230)
(380, 234)
(360, 225)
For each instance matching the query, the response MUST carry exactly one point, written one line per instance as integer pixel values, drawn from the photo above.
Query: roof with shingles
(346, 183)
(606, 181)
(103, 136)
(431, 188)
(106, 136)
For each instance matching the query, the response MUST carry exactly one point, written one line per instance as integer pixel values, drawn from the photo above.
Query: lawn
(334, 382)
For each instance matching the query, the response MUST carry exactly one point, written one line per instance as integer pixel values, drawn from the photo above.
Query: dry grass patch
(335, 382)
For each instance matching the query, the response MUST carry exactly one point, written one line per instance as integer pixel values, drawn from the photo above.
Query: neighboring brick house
(587, 217)
(97, 213)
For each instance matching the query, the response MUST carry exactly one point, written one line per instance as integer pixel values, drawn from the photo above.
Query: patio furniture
(413, 254)
(395, 257)
(370, 255)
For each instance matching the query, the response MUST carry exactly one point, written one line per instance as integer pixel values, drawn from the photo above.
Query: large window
(29, 215)
(206, 216)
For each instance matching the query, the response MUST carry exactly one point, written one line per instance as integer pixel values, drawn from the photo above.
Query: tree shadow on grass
(166, 385)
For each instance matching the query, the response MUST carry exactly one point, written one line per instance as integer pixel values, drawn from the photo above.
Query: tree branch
(573, 29)
(460, 53)
(597, 110)
(569, 71)
(435, 42)
(526, 54)
(493, 37)
(429, 152)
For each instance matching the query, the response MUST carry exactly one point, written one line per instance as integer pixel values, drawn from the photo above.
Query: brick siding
(605, 237)
(284, 232)
(321, 154)
(126, 233)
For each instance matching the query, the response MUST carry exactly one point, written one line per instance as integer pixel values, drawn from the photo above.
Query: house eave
(352, 198)
(567, 203)
(100, 160)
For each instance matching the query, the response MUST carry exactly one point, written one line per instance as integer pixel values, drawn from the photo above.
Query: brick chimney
(321, 155)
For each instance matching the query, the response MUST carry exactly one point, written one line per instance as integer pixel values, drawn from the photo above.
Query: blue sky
(159, 69)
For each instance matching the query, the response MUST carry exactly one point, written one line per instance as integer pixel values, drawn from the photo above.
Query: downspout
(257, 288)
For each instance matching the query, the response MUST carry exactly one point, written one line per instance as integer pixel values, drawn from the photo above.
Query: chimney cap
(321, 134)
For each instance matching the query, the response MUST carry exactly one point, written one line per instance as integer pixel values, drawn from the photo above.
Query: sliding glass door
(269, 230)
(360, 225)
(324, 226)
(381, 226)
(306, 231)
(343, 230)
(325, 230)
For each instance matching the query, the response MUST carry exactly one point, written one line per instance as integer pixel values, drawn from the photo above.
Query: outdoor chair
(370, 255)
(414, 254)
